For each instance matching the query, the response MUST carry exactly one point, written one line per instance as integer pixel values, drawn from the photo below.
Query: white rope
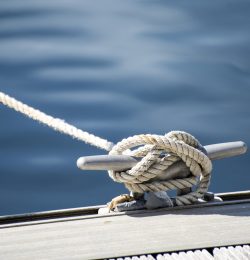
(175, 146)
(55, 123)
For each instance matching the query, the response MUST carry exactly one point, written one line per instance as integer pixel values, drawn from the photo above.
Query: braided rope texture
(175, 146)
(55, 123)
(158, 154)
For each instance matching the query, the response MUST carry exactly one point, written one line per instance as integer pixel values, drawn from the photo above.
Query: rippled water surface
(117, 68)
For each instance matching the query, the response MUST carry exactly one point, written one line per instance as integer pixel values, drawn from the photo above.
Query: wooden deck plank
(124, 235)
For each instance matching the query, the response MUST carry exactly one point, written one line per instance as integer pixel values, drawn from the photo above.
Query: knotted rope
(173, 146)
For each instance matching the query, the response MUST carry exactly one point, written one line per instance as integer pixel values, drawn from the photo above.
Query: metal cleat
(151, 200)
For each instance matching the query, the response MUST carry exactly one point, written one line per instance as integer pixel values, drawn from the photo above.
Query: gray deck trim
(129, 234)
(76, 213)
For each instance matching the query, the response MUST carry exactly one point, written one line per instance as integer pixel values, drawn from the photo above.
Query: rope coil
(175, 146)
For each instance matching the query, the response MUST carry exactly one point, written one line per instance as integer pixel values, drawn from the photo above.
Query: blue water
(117, 68)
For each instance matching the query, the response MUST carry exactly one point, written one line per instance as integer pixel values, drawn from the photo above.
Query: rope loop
(158, 153)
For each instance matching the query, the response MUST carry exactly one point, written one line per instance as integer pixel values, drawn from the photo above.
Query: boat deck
(83, 234)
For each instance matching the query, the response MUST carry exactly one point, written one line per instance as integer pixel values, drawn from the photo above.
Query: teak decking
(82, 234)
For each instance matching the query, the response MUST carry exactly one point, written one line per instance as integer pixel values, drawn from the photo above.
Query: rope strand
(175, 146)
(55, 123)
